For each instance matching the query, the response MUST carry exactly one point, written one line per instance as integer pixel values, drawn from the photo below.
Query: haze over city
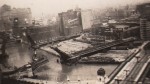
(46, 7)
(74, 41)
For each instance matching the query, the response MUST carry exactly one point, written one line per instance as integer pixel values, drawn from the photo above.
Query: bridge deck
(91, 51)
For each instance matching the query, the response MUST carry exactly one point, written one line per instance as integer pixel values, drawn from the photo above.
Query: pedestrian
(57, 60)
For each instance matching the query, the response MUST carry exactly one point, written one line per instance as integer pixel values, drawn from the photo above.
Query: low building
(42, 33)
(87, 19)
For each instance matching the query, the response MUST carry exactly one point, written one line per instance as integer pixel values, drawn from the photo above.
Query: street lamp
(126, 72)
(118, 80)
(137, 57)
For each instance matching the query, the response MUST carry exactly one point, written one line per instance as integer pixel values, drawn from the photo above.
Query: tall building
(70, 22)
(5, 23)
(144, 10)
(14, 19)
(87, 19)
(145, 29)
(21, 16)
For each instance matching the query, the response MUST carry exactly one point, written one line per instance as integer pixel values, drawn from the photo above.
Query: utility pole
(118, 81)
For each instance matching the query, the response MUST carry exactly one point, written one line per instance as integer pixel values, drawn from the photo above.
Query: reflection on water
(20, 55)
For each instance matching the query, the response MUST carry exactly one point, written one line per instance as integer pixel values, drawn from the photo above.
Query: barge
(101, 60)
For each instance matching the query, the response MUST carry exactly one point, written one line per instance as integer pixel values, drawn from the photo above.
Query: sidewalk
(66, 82)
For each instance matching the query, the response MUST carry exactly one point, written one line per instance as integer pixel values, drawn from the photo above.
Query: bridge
(130, 71)
(73, 58)
(131, 66)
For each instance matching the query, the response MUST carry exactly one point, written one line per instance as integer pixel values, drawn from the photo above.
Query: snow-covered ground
(48, 49)
(71, 46)
(68, 47)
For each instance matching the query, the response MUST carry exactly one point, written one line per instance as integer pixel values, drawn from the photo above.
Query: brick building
(70, 22)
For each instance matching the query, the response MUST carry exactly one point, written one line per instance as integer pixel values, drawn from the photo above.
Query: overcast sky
(55, 6)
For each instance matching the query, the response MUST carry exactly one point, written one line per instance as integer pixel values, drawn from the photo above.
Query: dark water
(21, 54)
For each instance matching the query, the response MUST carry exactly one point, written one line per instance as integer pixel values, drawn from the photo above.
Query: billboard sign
(72, 19)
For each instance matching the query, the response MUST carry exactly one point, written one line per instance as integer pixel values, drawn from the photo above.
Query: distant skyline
(46, 7)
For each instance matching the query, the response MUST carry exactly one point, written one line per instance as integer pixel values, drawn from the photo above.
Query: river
(20, 54)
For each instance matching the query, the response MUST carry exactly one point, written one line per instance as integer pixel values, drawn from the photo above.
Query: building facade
(41, 34)
(145, 29)
(87, 19)
(144, 10)
(15, 19)
(70, 22)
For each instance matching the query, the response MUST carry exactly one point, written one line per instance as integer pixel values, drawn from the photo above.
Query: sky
(40, 7)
